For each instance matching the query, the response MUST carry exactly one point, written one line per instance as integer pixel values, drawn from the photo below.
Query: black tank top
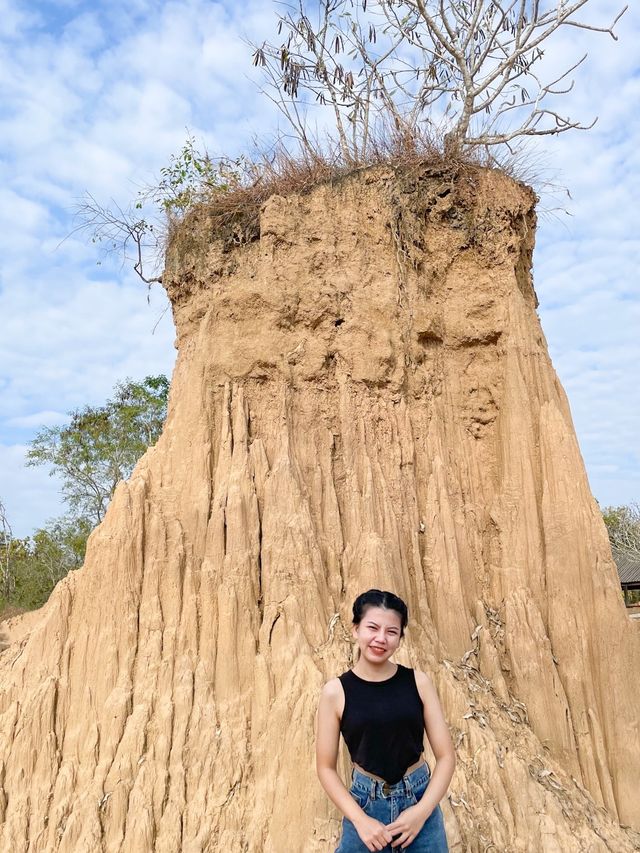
(383, 722)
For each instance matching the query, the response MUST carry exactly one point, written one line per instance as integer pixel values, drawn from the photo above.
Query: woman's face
(378, 634)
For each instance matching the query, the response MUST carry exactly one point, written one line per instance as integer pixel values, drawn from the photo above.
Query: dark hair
(380, 598)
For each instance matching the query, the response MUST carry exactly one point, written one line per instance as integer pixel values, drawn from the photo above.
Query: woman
(382, 710)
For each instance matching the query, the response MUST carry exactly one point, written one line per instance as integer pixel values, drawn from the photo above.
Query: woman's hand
(374, 834)
(408, 823)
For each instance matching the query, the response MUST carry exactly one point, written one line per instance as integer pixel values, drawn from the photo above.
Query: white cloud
(37, 420)
(28, 494)
(586, 269)
(79, 344)
(13, 20)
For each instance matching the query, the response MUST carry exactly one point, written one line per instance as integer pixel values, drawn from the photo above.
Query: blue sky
(97, 96)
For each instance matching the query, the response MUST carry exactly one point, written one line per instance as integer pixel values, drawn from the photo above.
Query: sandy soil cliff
(363, 397)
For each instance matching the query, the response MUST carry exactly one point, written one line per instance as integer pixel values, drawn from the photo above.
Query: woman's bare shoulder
(332, 696)
(332, 689)
(423, 682)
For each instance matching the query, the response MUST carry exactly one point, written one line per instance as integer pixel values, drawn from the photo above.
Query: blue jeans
(384, 803)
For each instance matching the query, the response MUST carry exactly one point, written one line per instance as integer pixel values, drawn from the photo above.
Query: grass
(234, 213)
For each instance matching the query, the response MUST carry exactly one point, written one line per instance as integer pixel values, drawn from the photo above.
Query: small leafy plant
(139, 232)
(192, 176)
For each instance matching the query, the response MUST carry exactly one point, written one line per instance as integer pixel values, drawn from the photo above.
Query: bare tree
(6, 538)
(125, 232)
(471, 69)
(623, 526)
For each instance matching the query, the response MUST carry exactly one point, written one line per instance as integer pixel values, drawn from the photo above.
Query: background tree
(91, 454)
(623, 526)
(6, 542)
(471, 69)
(101, 445)
(38, 562)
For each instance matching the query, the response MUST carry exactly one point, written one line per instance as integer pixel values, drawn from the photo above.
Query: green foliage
(101, 445)
(38, 562)
(98, 448)
(139, 232)
(192, 176)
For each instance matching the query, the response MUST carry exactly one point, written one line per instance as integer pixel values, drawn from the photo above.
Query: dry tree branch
(6, 540)
(411, 61)
(623, 526)
(120, 231)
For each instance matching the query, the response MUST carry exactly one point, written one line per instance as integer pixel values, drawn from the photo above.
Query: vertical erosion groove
(330, 432)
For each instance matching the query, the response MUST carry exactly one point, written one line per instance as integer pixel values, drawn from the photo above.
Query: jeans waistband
(376, 788)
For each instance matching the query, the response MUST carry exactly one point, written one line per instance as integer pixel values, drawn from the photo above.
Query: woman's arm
(440, 741)
(373, 833)
(409, 822)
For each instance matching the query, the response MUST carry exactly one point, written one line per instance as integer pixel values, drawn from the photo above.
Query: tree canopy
(101, 444)
(39, 561)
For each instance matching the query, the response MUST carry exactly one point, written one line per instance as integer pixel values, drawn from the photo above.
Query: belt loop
(372, 788)
(408, 789)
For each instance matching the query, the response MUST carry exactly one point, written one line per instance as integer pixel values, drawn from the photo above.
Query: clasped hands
(400, 833)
